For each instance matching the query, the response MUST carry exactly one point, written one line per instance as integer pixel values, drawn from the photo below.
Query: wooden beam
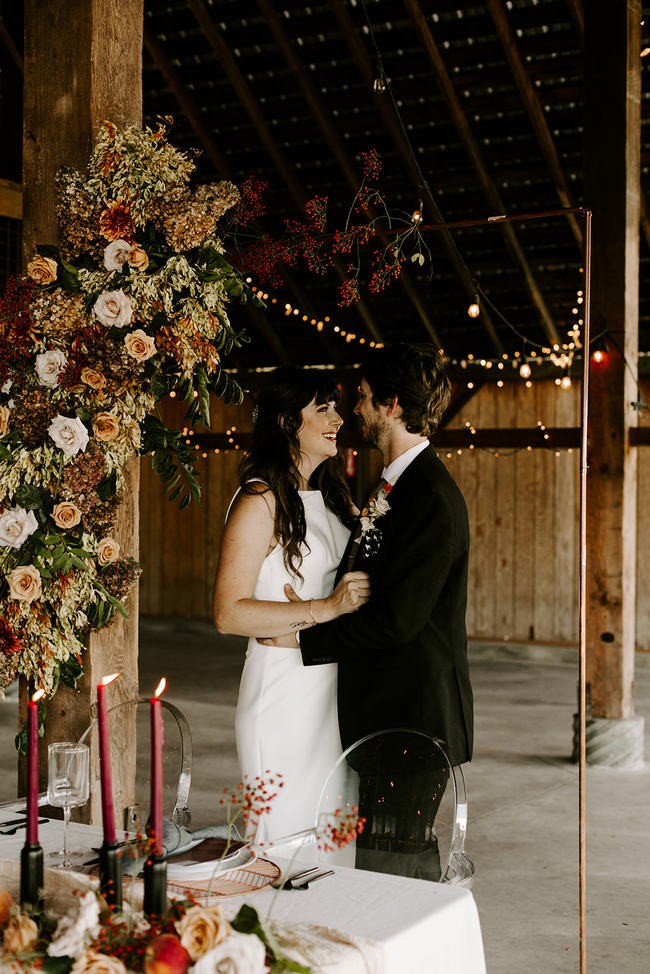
(612, 191)
(392, 126)
(473, 150)
(534, 110)
(254, 112)
(14, 53)
(335, 145)
(561, 438)
(11, 199)
(83, 64)
(578, 15)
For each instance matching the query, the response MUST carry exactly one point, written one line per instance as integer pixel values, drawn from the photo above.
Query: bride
(288, 525)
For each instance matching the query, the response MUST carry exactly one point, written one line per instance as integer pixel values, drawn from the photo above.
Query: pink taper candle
(108, 814)
(32, 768)
(157, 769)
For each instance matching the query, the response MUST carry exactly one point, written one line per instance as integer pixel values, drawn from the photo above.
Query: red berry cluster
(251, 205)
(252, 798)
(371, 166)
(387, 267)
(16, 324)
(343, 829)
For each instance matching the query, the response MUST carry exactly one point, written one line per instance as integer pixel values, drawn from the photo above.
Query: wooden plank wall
(523, 509)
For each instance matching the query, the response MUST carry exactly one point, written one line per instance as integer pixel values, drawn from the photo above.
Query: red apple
(165, 955)
(6, 903)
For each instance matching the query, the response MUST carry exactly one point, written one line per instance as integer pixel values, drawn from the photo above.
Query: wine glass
(67, 786)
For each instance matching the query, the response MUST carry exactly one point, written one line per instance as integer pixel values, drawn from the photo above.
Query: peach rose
(92, 378)
(201, 929)
(137, 257)
(108, 551)
(6, 903)
(20, 934)
(106, 427)
(139, 345)
(43, 270)
(66, 515)
(5, 414)
(94, 963)
(25, 583)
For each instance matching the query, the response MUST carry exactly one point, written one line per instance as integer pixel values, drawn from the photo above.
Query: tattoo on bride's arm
(301, 625)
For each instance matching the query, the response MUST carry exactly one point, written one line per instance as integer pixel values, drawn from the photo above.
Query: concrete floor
(522, 796)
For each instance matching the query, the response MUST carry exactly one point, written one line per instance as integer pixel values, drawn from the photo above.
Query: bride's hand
(350, 594)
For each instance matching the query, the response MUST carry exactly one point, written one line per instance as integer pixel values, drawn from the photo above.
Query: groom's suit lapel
(406, 486)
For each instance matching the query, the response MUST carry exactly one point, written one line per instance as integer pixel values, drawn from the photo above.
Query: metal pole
(582, 628)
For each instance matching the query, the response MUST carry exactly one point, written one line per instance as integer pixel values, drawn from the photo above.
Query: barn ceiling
(481, 115)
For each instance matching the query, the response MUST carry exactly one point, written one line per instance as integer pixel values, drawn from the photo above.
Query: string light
(524, 370)
(474, 309)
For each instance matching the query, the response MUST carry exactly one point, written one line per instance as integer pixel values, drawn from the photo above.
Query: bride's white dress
(286, 719)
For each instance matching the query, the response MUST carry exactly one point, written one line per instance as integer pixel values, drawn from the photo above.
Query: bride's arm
(248, 538)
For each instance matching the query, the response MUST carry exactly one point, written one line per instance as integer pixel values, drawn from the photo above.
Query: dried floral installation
(133, 304)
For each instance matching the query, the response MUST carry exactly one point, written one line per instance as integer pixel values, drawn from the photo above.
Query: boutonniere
(370, 538)
(375, 508)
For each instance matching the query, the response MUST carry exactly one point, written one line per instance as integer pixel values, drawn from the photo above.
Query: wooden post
(83, 64)
(612, 191)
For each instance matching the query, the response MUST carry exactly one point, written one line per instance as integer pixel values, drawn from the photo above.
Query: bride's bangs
(325, 390)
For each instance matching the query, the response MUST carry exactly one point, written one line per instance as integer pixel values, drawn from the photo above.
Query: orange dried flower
(116, 222)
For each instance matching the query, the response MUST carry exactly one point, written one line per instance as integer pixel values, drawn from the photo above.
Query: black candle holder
(155, 886)
(31, 876)
(110, 874)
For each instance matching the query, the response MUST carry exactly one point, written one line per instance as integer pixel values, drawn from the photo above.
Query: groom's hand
(291, 593)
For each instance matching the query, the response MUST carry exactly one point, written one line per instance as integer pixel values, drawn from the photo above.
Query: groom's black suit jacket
(403, 656)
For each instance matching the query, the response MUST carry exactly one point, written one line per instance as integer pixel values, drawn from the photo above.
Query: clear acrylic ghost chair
(177, 756)
(411, 792)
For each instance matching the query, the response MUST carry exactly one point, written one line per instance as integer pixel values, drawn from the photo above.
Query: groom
(403, 656)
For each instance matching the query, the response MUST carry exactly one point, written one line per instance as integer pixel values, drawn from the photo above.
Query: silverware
(313, 879)
(17, 828)
(286, 883)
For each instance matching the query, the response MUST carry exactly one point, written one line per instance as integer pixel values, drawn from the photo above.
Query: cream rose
(5, 414)
(108, 551)
(43, 270)
(138, 258)
(16, 525)
(70, 435)
(105, 427)
(113, 308)
(20, 934)
(139, 345)
(25, 583)
(92, 378)
(116, 255)
(66, 515)
(239, 953)
(49, 366)
(94, 963)
(201, 929)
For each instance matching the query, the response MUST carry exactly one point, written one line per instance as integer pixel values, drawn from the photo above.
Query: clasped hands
(350, 594)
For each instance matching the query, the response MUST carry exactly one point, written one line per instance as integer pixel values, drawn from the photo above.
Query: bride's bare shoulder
(254, 499)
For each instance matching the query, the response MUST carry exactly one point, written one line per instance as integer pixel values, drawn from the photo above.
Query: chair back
(177, 757)
(410, 790)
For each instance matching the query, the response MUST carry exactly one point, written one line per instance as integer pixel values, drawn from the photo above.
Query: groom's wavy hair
(275, 453)
(417, 375)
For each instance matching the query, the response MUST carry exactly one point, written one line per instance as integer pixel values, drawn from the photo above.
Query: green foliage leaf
(30, 497)
(204, 394)
(71, 671)
(107, 487)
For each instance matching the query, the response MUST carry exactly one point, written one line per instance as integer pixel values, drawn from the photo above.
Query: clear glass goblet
(67, 786)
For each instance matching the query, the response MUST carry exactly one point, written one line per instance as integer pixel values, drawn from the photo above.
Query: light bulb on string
(565, 382)
(417, 215)
(524, 370)
(379, 84)
(474, 308)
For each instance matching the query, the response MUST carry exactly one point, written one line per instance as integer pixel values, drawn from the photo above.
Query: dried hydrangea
(186, 218)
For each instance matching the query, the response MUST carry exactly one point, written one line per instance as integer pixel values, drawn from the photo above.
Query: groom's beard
(371, 432)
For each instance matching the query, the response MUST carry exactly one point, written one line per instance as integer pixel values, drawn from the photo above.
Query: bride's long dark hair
(275, 452)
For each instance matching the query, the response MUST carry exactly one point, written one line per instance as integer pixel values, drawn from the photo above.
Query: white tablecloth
(354, 922)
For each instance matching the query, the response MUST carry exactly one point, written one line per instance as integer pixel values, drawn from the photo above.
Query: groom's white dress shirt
(400, 463)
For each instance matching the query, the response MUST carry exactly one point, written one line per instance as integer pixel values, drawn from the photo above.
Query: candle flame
(37, 696)
(105, 680)
(161, 686)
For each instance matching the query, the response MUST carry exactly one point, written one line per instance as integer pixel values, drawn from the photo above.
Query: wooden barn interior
(479, 111)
